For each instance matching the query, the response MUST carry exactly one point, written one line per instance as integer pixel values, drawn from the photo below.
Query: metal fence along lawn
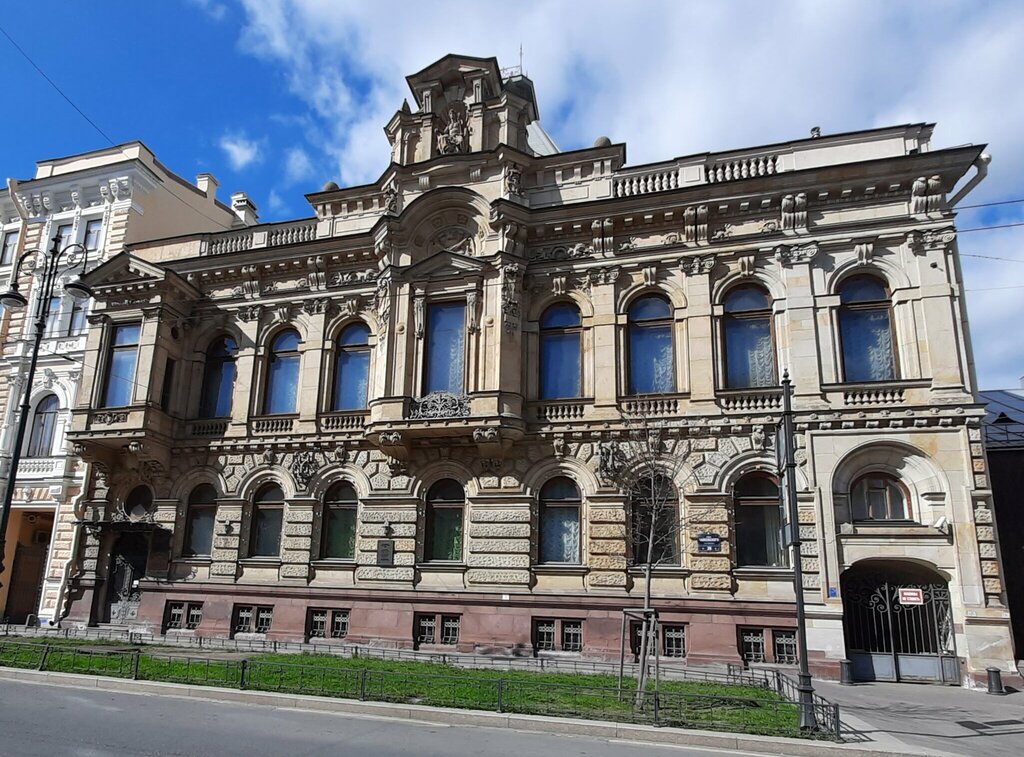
(762, 710)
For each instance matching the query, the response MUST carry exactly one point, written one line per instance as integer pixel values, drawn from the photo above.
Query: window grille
(426, 626)
(572, 635)
(675, 641)
(317, 624)
(753, 645)
(243, 619)
(194, 616)
(175, 614)
(450, 629)
(339, 624)
(785, 647)
(544, 632)
(264, 617)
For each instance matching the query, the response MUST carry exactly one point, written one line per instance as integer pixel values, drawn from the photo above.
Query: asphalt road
(49, 719)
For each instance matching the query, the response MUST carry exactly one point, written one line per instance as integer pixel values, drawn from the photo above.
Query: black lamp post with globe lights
(56, 262)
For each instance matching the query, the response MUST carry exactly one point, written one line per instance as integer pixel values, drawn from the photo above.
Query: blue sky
(276, 97)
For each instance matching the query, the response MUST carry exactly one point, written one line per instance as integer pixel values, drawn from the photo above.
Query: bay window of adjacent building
(445, 349)
(218, 378)
(79, 314)
(121, 364)
(560, 522)
(7, 248)
(199, 520)
(561, 331)
(651, 355)
(865, 330)
(92, 234)
(267, 519)
(747, 332)
(63, 235)
(352, 368)
(879, 497)
(339, 522)
(44, 426)
(282, 374)
(445, 504)
(758, 515)
(52, 327)
(654, 502)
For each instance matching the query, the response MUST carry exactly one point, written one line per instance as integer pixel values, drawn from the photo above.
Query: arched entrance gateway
(898, 623)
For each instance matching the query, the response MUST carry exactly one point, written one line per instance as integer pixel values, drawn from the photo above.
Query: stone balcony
(41, 468)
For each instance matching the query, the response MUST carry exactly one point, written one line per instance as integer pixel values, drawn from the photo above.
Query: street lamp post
(15, 300)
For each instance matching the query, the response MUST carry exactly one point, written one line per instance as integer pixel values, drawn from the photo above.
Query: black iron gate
(898, 624)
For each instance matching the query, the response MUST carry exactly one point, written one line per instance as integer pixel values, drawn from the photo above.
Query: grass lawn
(695, 704)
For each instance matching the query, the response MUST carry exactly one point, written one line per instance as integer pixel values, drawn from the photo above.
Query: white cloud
(681, 78)
(276, 204)
(216, 11)
(297, 166)
(240, 150)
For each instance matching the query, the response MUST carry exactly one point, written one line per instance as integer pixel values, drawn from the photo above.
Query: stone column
(226, 537)
(700, 329)
(374, 518)
(711, 572)
(604, 338)
(798, 341)
(297, 539)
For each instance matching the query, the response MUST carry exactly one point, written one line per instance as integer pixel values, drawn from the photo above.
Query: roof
(1004, 418)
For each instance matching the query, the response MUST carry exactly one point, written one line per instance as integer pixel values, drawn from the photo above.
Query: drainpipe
(981, 164)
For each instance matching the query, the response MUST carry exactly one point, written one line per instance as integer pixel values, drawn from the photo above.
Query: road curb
(766, 745)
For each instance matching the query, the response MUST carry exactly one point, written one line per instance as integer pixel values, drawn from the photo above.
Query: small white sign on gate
(911, 596)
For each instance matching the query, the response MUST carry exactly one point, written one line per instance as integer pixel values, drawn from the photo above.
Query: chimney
(208, 184)
(245, 209)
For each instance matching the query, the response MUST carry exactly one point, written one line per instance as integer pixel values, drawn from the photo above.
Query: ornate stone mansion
(403, 421)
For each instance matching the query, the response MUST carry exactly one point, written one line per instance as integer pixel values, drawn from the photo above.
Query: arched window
(560, 367)
(352, 371)
(445, 502)
(44, 426)
(218, 379)
(267, 516)
(339, 522)
(560, 522)
(282, 373)
(747, 330)
(651, 361)
(758, 522)
(139, 502)
(654, 507)
(865, 330)
(878, 496)
(202, 511)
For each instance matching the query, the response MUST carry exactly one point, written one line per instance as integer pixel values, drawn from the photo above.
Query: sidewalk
(947, 719)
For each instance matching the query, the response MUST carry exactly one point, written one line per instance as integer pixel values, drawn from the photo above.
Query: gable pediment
(445, 265)
(126, 272)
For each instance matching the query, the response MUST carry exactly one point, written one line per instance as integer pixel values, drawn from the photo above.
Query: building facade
(405, 420)
(102, 200)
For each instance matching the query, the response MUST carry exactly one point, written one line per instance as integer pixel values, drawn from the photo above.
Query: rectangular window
(550, 635)
(445, 348)
(63, 235)
(79, 313)
(199, 530)
(52, 327)
(572, 635)
(339, 532)
(752, 647)
(560, 374)
(674, 641)
(124, 354)
(10, 244)
(183, 615)
(784, 647)
(426, 629)
(252, 619)
(266, 531)
(450, 625)
(327, 624)
(444, 533)
(92, 234)
(168, 386)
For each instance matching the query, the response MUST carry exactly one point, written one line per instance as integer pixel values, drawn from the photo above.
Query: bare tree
(651, 467)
